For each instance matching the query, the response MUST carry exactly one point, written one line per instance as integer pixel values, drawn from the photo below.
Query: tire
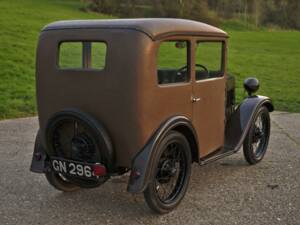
(99, 133)
(256, 142)
(97, 146)
(60, 183)
(54, 179)
(164, 171)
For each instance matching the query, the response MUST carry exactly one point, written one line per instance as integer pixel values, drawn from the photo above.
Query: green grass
(20, 24)
(274, 57)
(178, 57)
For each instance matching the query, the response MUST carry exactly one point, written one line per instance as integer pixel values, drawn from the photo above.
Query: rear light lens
(135, 174)
(99, 170)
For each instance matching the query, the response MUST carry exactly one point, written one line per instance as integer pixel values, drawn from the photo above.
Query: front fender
(142, 164)
(240, 121)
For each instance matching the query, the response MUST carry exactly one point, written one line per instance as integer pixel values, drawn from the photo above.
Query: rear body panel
(124, 97)
(110, 95)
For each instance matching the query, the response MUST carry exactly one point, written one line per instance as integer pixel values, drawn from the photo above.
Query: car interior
(173, 67)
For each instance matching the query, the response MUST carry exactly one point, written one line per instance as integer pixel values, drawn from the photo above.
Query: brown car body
(127, 100)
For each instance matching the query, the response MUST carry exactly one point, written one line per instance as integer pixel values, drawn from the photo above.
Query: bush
(282, 13)
(188, 9)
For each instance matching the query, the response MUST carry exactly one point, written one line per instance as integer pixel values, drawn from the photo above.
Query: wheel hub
(257, 135)
(82, 147)
(170, 173)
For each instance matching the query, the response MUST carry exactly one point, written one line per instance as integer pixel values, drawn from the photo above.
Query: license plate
(73, 168)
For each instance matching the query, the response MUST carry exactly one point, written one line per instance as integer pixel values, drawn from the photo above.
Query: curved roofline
(155, 28)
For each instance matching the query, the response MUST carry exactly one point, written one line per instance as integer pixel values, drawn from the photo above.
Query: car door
(208, 95)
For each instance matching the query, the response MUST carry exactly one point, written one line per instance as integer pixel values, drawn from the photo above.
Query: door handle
(195, 99)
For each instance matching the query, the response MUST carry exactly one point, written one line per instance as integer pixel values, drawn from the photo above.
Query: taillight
(99, 170)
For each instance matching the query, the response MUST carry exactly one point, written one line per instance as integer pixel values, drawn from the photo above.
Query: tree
(283, 13)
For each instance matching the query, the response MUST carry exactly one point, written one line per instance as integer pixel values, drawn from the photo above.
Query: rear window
(82, 55)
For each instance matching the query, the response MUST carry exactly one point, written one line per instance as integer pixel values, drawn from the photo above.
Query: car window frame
(85, 59)
(189, 59)
(223, 57)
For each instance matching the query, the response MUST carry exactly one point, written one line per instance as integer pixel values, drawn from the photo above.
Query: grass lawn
(20, 24)
(273, 57)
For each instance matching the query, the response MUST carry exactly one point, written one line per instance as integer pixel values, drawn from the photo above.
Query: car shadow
(112, 202)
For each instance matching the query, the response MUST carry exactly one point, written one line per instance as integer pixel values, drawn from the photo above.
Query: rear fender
(38, 163)
(241, 119)
(142, 164)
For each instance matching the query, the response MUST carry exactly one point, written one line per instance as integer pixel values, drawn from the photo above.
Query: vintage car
(143, 96)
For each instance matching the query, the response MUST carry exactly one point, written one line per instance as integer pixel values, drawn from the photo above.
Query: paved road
(225, 192)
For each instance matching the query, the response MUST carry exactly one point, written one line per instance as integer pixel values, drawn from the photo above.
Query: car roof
(155, 28)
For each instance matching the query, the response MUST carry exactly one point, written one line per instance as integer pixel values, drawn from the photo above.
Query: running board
(218, 155)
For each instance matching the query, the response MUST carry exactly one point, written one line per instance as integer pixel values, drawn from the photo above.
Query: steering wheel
(184, 68)
(203, 67)
(181, 70)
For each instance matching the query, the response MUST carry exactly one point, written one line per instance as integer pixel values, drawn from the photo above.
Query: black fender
(239, 123)
(142, 163)
(38, 162)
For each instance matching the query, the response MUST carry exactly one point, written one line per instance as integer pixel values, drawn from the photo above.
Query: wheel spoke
(170, 172)
(259, 136)
(75, 128)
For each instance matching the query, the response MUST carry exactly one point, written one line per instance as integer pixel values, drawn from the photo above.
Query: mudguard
(142, 164)
(241, 119)
(38, 163)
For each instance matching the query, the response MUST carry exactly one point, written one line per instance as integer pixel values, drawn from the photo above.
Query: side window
(82, 55)
(172, 62)
(209, 60)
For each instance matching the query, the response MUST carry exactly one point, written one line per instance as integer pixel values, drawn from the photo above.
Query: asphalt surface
(228, 191)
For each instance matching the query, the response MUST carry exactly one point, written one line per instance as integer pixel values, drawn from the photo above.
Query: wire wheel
(75, 136)
(170, 173)
(74, 140)
(170, 176)
(256, 142)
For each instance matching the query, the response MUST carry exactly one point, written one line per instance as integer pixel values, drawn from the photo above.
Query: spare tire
(74, 135)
